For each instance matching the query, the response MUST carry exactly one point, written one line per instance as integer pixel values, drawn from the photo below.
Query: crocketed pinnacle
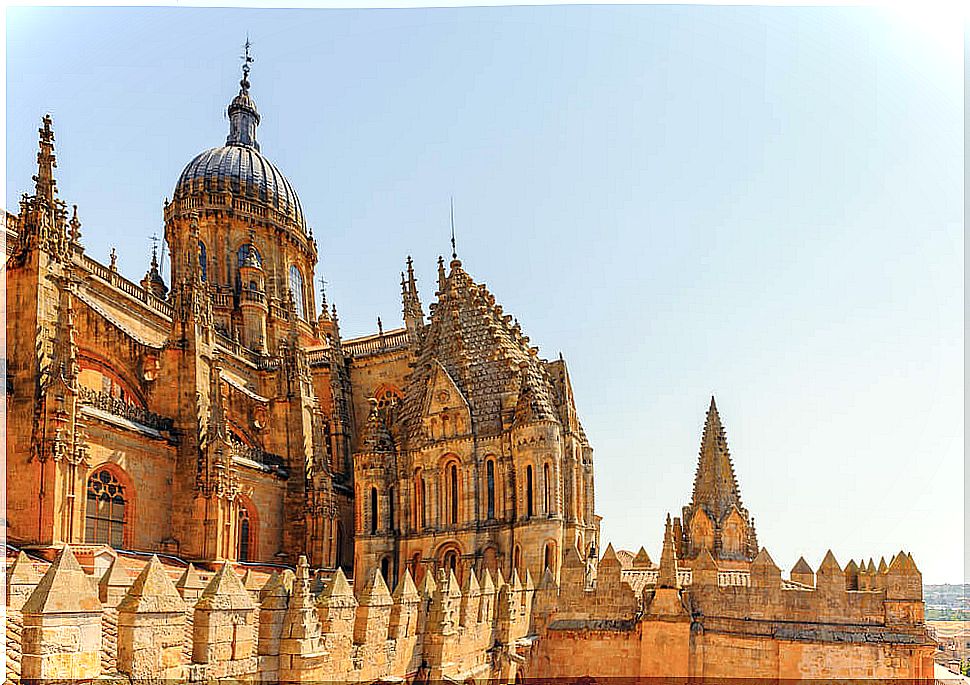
(45, 186)
(489, 361)
(715, 486)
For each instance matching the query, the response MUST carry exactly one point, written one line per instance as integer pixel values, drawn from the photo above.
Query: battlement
(185, 624)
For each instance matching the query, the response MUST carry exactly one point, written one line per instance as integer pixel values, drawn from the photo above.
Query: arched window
(453, 491)
(390, 509)
(203, 261)
(386, 570)
(516, 557)
(373, 510)
(546, 489)
(420, 516)
(529, 509)
(243, 252)
(104, 520)
(245, 532)
(450, 561)
(490, 489)
(549, 558)
(296, 285)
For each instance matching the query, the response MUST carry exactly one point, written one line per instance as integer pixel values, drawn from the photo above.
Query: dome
(239, 167)
(242, 170)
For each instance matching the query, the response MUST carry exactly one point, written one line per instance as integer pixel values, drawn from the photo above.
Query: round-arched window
(296, 285)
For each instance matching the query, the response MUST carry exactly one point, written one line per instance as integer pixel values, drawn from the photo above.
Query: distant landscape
(947, 602)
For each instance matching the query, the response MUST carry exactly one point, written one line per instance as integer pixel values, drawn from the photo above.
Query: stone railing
(272, 462)
(123, 284)
(375, 344)
(317, 357)
(125, 410)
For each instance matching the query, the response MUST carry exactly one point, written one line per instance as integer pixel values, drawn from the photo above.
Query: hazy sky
(762, 203)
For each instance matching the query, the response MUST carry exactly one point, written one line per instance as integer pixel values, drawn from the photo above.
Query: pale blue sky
(763, 203)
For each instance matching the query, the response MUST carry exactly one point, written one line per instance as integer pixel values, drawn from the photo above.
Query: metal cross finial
(247, 60)
(454, 250)
(323, 292)
(155, 240)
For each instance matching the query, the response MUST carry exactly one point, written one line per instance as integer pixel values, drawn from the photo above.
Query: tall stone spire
(715, 517)
(243, 117)
(715, 486)
(667, 576)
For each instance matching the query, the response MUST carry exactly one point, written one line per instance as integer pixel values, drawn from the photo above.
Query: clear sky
(763, 203)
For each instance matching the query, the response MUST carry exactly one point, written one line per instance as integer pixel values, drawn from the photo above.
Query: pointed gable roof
(406, 590)
(642, 559)
(802, 567)
(64, 589)
(22, 571)
(715, 485)
(225, 591)
(483, 353)
(152, 592)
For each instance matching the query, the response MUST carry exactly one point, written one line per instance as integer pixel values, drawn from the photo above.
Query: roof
(484, 353)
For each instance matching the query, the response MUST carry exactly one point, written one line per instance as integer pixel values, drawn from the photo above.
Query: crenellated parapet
(288, 633)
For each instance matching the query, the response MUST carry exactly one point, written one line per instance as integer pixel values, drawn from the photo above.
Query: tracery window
(104, 520)
(296, 285)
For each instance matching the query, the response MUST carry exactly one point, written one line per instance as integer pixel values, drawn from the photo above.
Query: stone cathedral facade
(413, 504)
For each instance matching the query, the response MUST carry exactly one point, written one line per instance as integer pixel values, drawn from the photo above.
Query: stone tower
(483, 463)
(715, 518)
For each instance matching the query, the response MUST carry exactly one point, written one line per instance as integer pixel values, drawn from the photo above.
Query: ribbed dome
(246, 173)
(238, 166)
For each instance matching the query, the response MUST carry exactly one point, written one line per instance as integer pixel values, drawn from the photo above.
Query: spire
(243, 117)
(667, 576)
(715, 486)
(441, 274)
(454, 249)
(44, 184)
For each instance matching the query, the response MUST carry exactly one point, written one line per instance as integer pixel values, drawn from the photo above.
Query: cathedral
(206, 481)
(216, 413)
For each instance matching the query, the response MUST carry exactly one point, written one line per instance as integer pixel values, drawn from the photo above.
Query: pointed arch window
(529, 504)
(490, 489)
(107, 508)
(547, 488)
(296, 285)
(245, 547)
(373, 510)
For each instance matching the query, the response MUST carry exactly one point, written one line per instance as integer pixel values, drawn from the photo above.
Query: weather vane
(247, 60)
